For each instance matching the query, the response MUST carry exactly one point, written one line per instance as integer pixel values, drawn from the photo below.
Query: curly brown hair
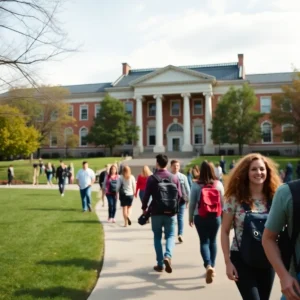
(238, 181)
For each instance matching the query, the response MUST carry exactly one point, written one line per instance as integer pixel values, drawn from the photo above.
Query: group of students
(254, 204)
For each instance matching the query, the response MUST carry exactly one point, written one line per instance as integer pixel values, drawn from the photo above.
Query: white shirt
(85, 177)
(218, 172)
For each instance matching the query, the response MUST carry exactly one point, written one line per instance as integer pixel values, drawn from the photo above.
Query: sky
(156, 33)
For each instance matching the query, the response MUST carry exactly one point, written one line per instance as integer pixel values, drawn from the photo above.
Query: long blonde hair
(238, 181)
(146, 171)
(126, 172)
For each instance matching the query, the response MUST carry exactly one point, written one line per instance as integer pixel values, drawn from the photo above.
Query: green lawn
(49, 249)
(280, 160)
(24, 169)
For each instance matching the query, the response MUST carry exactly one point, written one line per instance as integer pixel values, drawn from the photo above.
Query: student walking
(141, 182)
(110, 184)
(102, 176)
(249, 191)
(126, 187)
(185, 190)
(205, 211)
(36, 173)
(10, 175)
(49, 173)
(85, 179)
(61, 175)
(166, 193)
(285, 211)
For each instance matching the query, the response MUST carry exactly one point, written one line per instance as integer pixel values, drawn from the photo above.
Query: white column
(186, 147)
(159, 147)
(139, 122)
(208, 147)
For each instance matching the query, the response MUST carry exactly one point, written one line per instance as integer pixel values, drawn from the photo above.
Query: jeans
(61, 185)
(180, 218)
(253, 283)
(86, 198)
(141, 194)
(49, 177)
(112, 205)
(168, 223)
(207, 229)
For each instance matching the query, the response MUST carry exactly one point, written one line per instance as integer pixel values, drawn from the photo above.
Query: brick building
(173, 106)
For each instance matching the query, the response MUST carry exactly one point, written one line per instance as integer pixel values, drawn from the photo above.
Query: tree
(71, 141)
(16, 138)
(30, 35)
(286, 110)
(235, 120)
(113, 126)
(45, 110)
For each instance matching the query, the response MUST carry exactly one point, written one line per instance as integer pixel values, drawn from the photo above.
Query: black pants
(253, 283)
(61, 185)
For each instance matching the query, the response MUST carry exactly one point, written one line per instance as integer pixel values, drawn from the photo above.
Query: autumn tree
(113, 126)
(16, 138)
(235, 120)
(286, 110)
(45, 109)
(30, 35)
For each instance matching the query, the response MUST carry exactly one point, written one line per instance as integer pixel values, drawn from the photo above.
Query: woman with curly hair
(249, 190)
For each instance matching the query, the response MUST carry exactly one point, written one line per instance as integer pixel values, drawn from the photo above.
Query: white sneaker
(62, 195)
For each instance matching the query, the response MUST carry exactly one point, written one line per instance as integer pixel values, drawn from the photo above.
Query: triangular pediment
(172, 74)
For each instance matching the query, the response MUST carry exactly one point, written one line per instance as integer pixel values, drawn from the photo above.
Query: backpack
(167, 201)
(251, 249)
(184, 197)
(210, 201)
(113, 186)
(286, 243)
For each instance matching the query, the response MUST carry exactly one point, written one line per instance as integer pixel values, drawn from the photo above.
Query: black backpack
(286, 243)
(167, 201)
(251, 249)
(113, 186)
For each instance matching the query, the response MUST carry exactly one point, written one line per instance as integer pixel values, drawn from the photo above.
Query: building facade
(173, 106)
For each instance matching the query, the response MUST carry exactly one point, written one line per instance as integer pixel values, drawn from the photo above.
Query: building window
(70, 112)
(287, 133)
(54, 115)
(40, 117)
(151, 109)
(129, 107)
(152, 136)
(175, 128)
(97, 109)
(175, 108)
(265, 105)
(266, 130)
(286, 106)
(53, 140)
(198, 135)
(197, 107)
(68, 133)
(83, 112)
(83, 137)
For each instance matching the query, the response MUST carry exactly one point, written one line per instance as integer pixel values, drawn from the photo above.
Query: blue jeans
(112, 205)
(180, 218)
(207, 229)
(141, 194)
(86, 198)
(168, 223)
(61, 185)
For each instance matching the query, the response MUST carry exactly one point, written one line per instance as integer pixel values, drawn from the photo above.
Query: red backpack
(210, 201)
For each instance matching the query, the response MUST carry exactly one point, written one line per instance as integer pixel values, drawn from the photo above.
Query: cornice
(172, 83)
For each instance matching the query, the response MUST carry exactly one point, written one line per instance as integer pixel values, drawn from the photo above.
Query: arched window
(82, 134)
(175, 128)
(266, 129)
(68, 133)
(287, 133)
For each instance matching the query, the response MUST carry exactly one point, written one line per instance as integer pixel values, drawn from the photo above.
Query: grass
(49, 249)
(24, 169)
(280, 160)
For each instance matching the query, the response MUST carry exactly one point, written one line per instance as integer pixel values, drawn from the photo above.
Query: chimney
(126, 69)
(241, 66)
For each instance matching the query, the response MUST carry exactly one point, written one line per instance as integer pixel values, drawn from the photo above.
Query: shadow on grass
(52, 209)
(86, 264)
(52, 293)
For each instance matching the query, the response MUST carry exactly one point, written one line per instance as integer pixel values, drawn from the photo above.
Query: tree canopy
(286, 110)
(16, 138)
(235, 120)
(113, 126)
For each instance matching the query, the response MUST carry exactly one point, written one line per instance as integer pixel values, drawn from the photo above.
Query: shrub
(100, 154)
(91, 154)
(55, 155)
(45, 155)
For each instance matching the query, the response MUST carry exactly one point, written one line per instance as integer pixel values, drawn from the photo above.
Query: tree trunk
(240, 149)
(111, 151)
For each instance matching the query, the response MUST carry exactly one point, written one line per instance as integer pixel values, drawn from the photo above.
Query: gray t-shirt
(129, 185)
(281, 213)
